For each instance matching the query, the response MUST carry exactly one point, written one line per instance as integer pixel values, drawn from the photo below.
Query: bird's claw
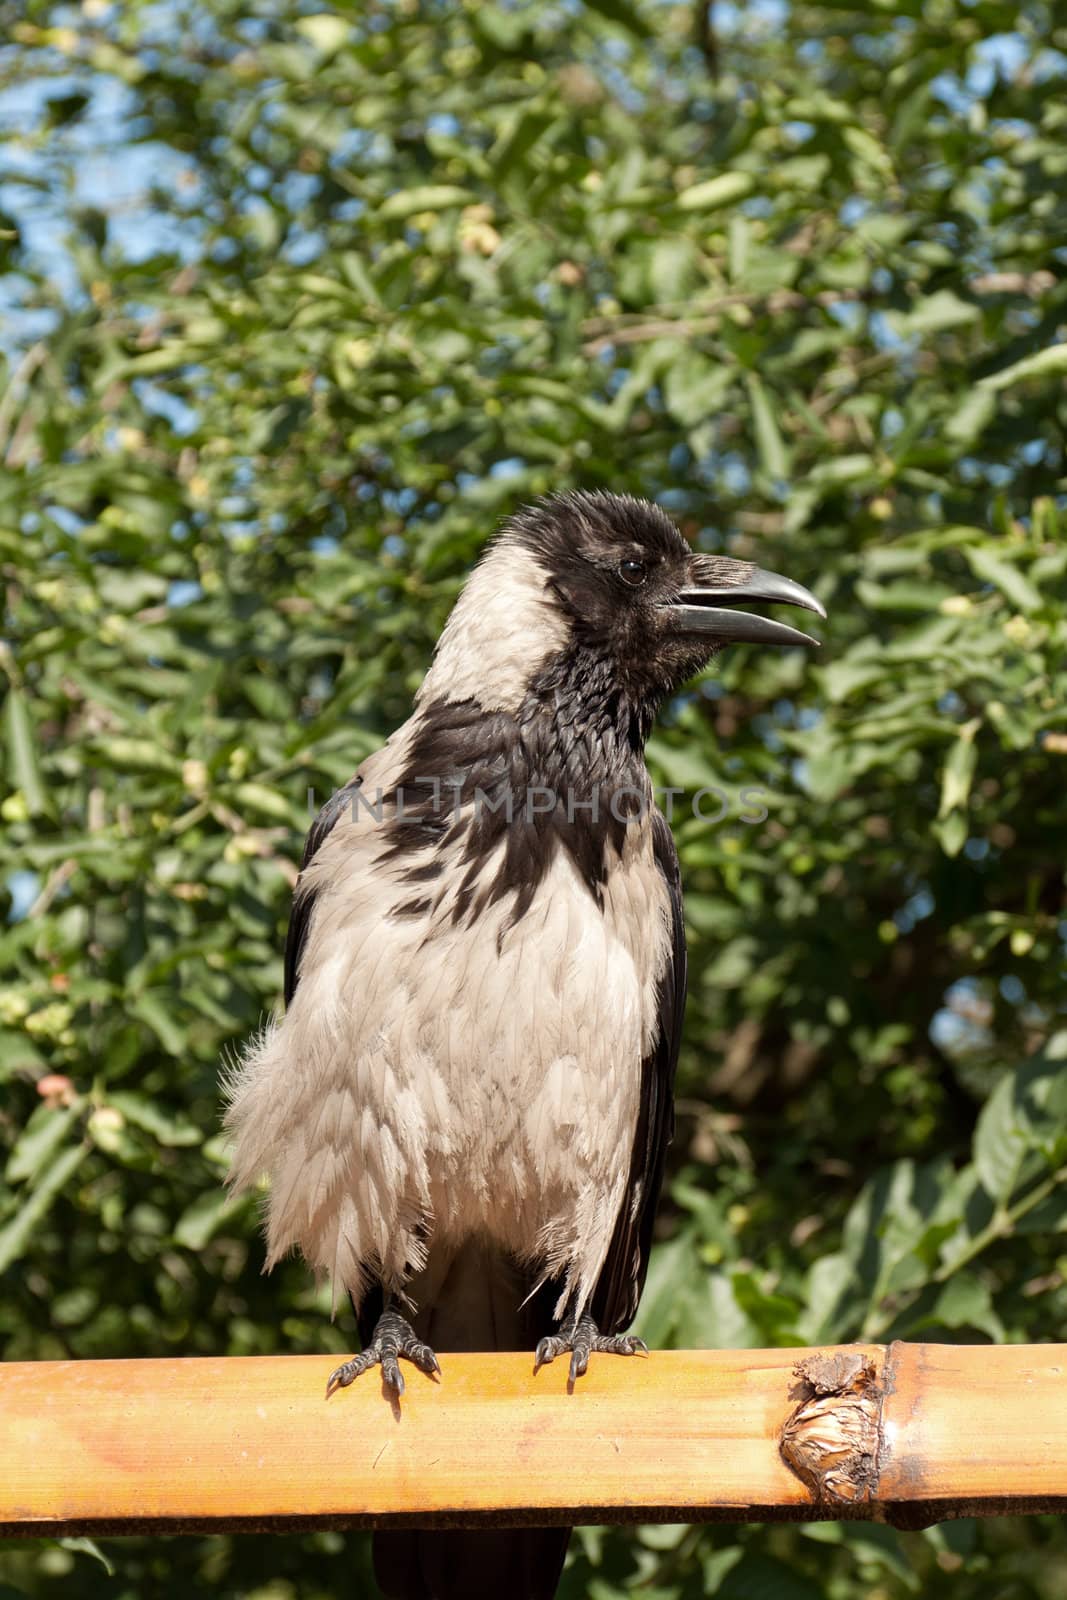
(582, 1338)
(393, 1337)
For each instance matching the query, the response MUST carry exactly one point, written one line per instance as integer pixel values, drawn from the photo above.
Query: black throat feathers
(564, 772)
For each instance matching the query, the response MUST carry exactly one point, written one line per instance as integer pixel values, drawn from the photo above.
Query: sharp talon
(393, 1338)
(342, 1376)
(582, 1338)
(547, 1350)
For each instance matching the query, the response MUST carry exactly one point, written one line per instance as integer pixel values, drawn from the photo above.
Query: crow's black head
(631, 588)
(610, 579)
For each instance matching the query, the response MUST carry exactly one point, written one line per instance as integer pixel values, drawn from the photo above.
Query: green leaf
(869, 1543)
(87, 1547)
(970, 418)
(830, 1300)
(1048, 363)
(714, 193)
(772, 451)
(1000, 1141)
(1007, 578)
(22, 753)
(525, 132)
(152, 1008)
(327, 32)
(773, 1315)
(169, 1129)
(622, 13)
(739, 237)
(713, 1317)
(667, 1272)
(135, 755)
(958, 770)
(934, 314)
(267, 802)
(763, 1577)
(868, 149)
(683, 765)
(18, 1054)
(694, 387)
(200, 1221)
(16, 1235)
(1048, 1216)
(39, 1140)
(966, 1302)
(428, 197)
(951, 833)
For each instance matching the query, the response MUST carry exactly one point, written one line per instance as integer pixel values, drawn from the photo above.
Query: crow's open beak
(702, 606)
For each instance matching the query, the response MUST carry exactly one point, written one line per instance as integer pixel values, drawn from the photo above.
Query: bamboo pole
(905, 1433)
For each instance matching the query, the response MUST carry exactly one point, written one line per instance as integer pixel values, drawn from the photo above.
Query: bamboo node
(832, 1439)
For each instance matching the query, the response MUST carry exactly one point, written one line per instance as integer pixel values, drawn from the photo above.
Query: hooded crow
(465, 1111)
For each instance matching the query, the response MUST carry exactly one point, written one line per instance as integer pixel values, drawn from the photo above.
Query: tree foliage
(298, 304)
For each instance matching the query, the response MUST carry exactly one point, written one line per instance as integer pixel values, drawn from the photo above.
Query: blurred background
(297, 304)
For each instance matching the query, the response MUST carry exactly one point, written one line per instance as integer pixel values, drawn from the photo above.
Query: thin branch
(1032, 284)
(1002, 1224)
(706, 37)
(61, 875)
(607, 331)
(703, 316)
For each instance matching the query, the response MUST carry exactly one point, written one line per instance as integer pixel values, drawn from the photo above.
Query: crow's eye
(633, 572)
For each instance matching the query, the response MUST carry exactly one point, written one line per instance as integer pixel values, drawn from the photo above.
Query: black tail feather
(476, 1299)
(469, 1564)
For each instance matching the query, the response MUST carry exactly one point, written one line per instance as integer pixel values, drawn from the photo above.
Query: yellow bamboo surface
(683, 1435)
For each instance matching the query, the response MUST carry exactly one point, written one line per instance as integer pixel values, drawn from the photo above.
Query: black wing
(618, 1290)
(304, 899)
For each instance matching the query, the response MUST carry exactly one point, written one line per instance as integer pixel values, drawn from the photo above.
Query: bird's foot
(393, 1337)
(581, 1338)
